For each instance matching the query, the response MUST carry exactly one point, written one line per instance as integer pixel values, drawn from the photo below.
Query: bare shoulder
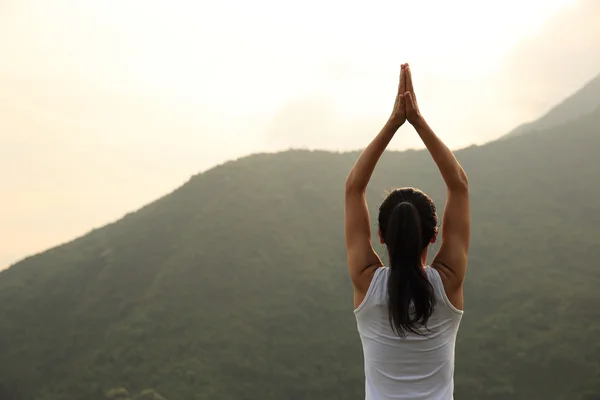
(453, 284)
(363, 282)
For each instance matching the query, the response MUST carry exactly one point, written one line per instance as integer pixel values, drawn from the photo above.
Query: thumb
(402, 101)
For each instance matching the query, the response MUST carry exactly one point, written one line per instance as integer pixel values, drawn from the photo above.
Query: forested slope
(235, 285)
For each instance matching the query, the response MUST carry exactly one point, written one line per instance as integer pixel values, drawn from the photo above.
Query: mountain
(235, 285)
(583, 102)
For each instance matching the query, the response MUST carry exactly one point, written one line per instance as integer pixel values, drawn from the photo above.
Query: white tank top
(414, 367)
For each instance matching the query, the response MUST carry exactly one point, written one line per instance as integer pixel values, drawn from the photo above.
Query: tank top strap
(377, 288)
(438, 286)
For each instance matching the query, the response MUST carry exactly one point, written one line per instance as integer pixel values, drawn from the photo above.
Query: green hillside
(235, 285)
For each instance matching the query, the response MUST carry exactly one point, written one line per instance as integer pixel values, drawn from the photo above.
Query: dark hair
(408, 222)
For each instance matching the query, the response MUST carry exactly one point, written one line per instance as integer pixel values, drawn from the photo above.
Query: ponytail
(410, 294)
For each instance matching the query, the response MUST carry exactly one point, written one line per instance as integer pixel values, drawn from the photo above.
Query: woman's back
(413, 367)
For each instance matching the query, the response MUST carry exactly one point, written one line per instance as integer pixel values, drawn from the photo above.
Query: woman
(408, 313)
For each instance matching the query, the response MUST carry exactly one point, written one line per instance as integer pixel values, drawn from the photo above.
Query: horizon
(112, 116)
(233, 160)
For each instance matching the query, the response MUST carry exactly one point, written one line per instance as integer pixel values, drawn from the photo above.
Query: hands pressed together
(405, 106)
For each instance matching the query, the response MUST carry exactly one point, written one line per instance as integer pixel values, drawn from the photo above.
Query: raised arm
(362, 259)
(451, 259)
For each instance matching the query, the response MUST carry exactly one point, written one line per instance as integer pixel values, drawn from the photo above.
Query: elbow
(460, 184)
(352, 186)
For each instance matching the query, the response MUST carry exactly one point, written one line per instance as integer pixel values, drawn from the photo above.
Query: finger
(408, 78)
(402, 84)
(410, 105)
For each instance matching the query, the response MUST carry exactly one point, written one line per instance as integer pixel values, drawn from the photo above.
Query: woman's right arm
(451, 259)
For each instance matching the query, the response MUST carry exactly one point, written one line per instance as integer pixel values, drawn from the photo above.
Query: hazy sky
(106, 105)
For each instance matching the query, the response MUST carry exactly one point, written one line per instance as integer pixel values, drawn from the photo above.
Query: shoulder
(369, 285)
(446, 284)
